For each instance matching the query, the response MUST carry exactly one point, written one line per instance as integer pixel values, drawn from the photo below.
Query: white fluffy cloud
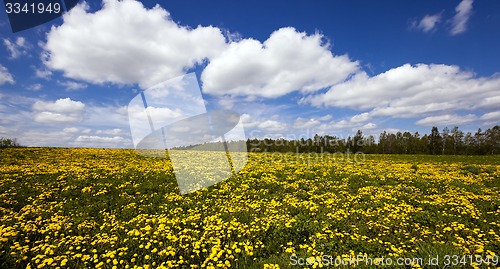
(267, 125)
(61, 111)
(427, 23)
(463, 13)
(5, 76)
(447, 120)
(363, 117)
(287, 61)
(272, 126)
(409, 91)
(125, 42)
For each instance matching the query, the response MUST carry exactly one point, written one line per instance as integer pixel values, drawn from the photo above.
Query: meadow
(107, 208)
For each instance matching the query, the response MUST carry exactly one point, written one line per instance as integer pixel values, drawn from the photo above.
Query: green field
(103, 208)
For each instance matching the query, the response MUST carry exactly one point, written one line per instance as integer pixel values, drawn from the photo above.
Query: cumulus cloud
(248, 120)
(17, 47)
(427, 23)
(447, 120)
(61, 111)
(409, 91)
(272, 126)
(287, 61)
(268, 125)
(125, 42)
(5, 76)
(363, 117)
(463, 13)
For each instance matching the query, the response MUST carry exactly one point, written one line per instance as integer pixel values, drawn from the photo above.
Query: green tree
(8, 142)
(435, 142)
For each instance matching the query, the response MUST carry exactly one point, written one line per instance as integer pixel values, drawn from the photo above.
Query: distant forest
(446, 142)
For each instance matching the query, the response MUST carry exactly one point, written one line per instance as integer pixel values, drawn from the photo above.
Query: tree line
(446, 142)
(8, 142)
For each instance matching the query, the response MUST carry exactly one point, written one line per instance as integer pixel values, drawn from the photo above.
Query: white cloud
(248, 121)
(43, 73)
(368, 126)
(325, 118)
(44, 138)
(410, 91)
(61, 111)
(114, 132)
(319, 125)
(459, 21)
(489, 102)
(71, 130)
(266, 124)
(52, 117)
(125, 42)
(287, 61)
(447, 120)
(16, 48)
(159, 114)
(301, 123)
(272, 126)
(363, 117)
(116, 117)
(411, 110)
(335, 125)
(63, 105)
(72, 85)
(427, 23)
(5, 76)
(491, 118)
(35, 87)
(101, 139)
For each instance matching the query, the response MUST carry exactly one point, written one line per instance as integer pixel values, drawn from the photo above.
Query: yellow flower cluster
(104, 208)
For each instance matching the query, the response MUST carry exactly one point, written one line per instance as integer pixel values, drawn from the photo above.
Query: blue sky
(289, 68)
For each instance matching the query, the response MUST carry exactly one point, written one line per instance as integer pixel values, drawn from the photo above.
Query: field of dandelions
(106, 208)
